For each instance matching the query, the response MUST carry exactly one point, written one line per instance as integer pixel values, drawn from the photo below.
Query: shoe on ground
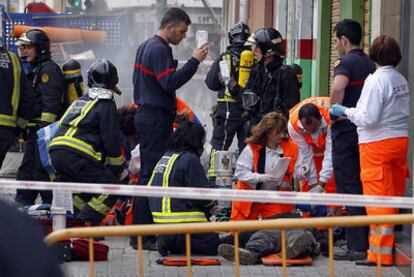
(162, 246)
(299, 245)
(367, 262)
(246, 257)
(147, 245)
(344, 254)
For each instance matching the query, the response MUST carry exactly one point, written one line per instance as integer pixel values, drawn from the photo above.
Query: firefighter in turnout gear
(180, 167)
(87, 147)
(228, 121)
(74, 80)
(49, 91)
(17, 100)
(274, 86)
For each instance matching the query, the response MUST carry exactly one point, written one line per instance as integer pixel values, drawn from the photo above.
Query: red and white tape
(219, 194)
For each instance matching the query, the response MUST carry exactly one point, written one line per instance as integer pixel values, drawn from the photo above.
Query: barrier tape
(220, 194)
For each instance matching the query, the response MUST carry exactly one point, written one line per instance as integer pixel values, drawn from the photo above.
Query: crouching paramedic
(266, 147)
(309, 127)
(87, 145)
(180, 167)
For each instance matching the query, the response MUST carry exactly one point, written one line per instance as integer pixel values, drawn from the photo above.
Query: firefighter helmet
(103, 74)
(269, 41)
(72, 69)
(239, 33)
(38, 39)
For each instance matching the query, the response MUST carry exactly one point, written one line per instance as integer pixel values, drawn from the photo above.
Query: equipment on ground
(276, 259)
(182, 261)
(224, 180)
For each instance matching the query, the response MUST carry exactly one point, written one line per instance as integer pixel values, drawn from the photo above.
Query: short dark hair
(385, 51)
(174, 16)
(189, 136)
(350, 29)
(309, 112)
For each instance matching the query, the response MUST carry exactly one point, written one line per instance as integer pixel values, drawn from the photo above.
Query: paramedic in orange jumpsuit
(309, 127)
(381, 116)
(268, 143)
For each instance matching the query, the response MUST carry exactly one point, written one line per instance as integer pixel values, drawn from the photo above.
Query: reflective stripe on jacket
(165, 209)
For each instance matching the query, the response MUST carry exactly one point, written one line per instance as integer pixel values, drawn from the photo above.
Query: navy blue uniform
(345, 153)
(228, 120)
(49, 91)
(17, 99)
(278, 89)
(87, 149)
(155, 80)
(22, 249)
(181, 169)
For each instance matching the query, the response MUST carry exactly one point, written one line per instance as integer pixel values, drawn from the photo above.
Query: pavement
(123, 260)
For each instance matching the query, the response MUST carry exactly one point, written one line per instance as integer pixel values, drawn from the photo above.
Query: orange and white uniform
(381, 116)
(314, 150)
(249, 177)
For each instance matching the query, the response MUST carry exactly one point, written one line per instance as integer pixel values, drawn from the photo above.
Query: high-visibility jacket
(90, 128)
(244, 208)
(16, 96)
(323, 104)
(178, 169)
(320, 147)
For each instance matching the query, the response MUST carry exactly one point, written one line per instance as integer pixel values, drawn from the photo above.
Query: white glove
(268, 178)
(317, 189)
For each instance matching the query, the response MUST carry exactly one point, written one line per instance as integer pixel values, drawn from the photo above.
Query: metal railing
(233, 226)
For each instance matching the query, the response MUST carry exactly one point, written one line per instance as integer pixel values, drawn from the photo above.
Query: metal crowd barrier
(236, 226)
(233, 226)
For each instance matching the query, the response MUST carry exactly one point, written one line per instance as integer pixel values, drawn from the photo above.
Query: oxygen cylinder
(246, 64)
(73, 76)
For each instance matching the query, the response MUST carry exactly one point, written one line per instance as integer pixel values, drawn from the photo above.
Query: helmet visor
(23, 40)
(250, 40)
(249, 100)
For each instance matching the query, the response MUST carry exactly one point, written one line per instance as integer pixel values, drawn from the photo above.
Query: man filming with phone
(156, 79)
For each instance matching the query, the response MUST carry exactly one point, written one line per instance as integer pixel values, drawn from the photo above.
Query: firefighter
(156, 79)
(74, 80)
(350, 70)
(17, 100)
(271, 85)
(87, 147)
(46, 78)
(268, 144)
(180, 167)
(309, 127)
(381, 116)
(228, 121)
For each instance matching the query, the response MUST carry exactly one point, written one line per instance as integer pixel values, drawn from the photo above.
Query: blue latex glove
(337, 110)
